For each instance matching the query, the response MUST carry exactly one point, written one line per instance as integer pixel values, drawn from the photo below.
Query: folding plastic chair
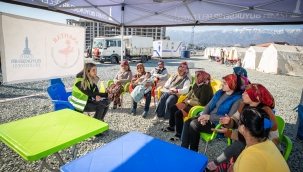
(56, 81)
(288, 146)
(59, 97)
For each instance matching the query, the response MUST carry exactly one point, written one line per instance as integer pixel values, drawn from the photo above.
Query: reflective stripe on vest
(78, 98)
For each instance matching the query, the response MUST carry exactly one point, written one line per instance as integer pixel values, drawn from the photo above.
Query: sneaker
(155, 120)
(166, 121)
(133, 111)
(144, 114)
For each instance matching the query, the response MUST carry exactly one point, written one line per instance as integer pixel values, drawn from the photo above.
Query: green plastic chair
(284, 139)
(288, 146)
(123, 92)
(281, 126)
(207, 137)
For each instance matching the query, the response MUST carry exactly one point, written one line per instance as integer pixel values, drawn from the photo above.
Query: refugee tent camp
(282, 59)
(252, 57)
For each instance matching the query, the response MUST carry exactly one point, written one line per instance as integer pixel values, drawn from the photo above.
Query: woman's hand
(221, 130)
(185, 100)
(225, 120)
(98, 98)
(203, 119)
(231, 168)
(173, 91)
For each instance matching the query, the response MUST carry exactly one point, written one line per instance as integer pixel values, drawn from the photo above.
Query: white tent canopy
(252, 57)
(282, 59)
(176, 12)
(236, 53)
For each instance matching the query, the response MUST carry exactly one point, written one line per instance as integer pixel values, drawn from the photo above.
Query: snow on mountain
(242, 36)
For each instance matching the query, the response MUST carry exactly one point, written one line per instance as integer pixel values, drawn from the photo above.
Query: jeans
(176, 118)
(234, 150)
(165, 102)
(191, 132)
(147, 102)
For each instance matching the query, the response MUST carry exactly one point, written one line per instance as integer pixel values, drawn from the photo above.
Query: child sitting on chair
(140, 89)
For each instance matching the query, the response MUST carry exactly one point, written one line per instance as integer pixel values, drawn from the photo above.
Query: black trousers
(191, 132)
(95, 107)
(176, 118)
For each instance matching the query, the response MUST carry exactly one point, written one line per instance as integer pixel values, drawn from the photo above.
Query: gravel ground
(285, 89)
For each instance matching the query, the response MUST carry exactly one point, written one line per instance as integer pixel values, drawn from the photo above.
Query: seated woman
(260, 153)
(143, 88)
(199, 95)
(256, 95)
(160, 75)
(139, 76)
(187, 69)
(123, 76)
(225, 101)
(177, 84)
(85, 94)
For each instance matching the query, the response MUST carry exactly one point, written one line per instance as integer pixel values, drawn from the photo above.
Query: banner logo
(65, 52)
(26, 59)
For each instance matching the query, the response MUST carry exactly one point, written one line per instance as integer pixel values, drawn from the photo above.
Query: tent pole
(122, 32)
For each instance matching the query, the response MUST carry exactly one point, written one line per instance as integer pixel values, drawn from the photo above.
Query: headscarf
(203, 77)
(125, 62)
(242, 82)
(240, 71)
(143, 73)
(258, 93)
(186, 66)
(231, 81)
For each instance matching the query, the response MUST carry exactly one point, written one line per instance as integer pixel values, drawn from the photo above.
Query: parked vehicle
(108, 49)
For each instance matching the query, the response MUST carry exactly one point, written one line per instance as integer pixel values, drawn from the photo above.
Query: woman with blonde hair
(85, 94)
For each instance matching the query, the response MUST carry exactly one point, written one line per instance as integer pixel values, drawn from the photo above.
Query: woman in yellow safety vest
(86, 96)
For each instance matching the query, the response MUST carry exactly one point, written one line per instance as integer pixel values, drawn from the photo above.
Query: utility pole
(192, 38)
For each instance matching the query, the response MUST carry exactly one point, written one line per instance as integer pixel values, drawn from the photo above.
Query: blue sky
(61, 18)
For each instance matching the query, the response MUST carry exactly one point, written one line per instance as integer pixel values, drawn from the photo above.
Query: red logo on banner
(65, 52)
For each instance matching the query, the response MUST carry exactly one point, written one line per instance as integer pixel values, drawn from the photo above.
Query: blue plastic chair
(59, 97)
(56, 81)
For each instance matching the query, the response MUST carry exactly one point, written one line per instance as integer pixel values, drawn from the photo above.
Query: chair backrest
(215, 85)
(102, 87)
(56, 81)
(57, 92)
(281, 126)
(192, 80)
(288, 146)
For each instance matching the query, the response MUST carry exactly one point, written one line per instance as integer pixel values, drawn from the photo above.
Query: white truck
(108, 49)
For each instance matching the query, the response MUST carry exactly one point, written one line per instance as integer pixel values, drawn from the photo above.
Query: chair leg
(205, 148)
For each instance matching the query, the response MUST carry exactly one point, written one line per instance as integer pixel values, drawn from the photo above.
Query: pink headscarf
(125, 63)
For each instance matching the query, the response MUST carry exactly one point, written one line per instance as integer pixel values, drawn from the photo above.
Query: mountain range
(242, 36)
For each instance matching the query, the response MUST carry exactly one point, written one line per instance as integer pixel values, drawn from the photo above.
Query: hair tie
(267, 123)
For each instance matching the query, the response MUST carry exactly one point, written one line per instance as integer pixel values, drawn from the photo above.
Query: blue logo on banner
(26, 59)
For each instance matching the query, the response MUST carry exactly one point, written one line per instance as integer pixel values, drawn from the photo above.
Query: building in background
(95, 29)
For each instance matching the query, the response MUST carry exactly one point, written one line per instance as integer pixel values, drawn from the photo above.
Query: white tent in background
(207, 52)
(217, 52)
(282, 59)
(252, 57)
(212, 51)
(226, 51)
(236, 53)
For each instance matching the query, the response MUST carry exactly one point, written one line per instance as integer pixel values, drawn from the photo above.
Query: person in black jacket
(86, 90)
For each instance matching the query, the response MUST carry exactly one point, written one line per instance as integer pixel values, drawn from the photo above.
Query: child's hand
(98, 98)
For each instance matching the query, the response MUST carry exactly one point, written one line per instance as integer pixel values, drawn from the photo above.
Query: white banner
(33, 50)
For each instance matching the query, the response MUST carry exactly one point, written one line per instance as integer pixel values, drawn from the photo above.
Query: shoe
(115, 107)
(166, 121)
(133, 111)
(144, 114)
(155, 120)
